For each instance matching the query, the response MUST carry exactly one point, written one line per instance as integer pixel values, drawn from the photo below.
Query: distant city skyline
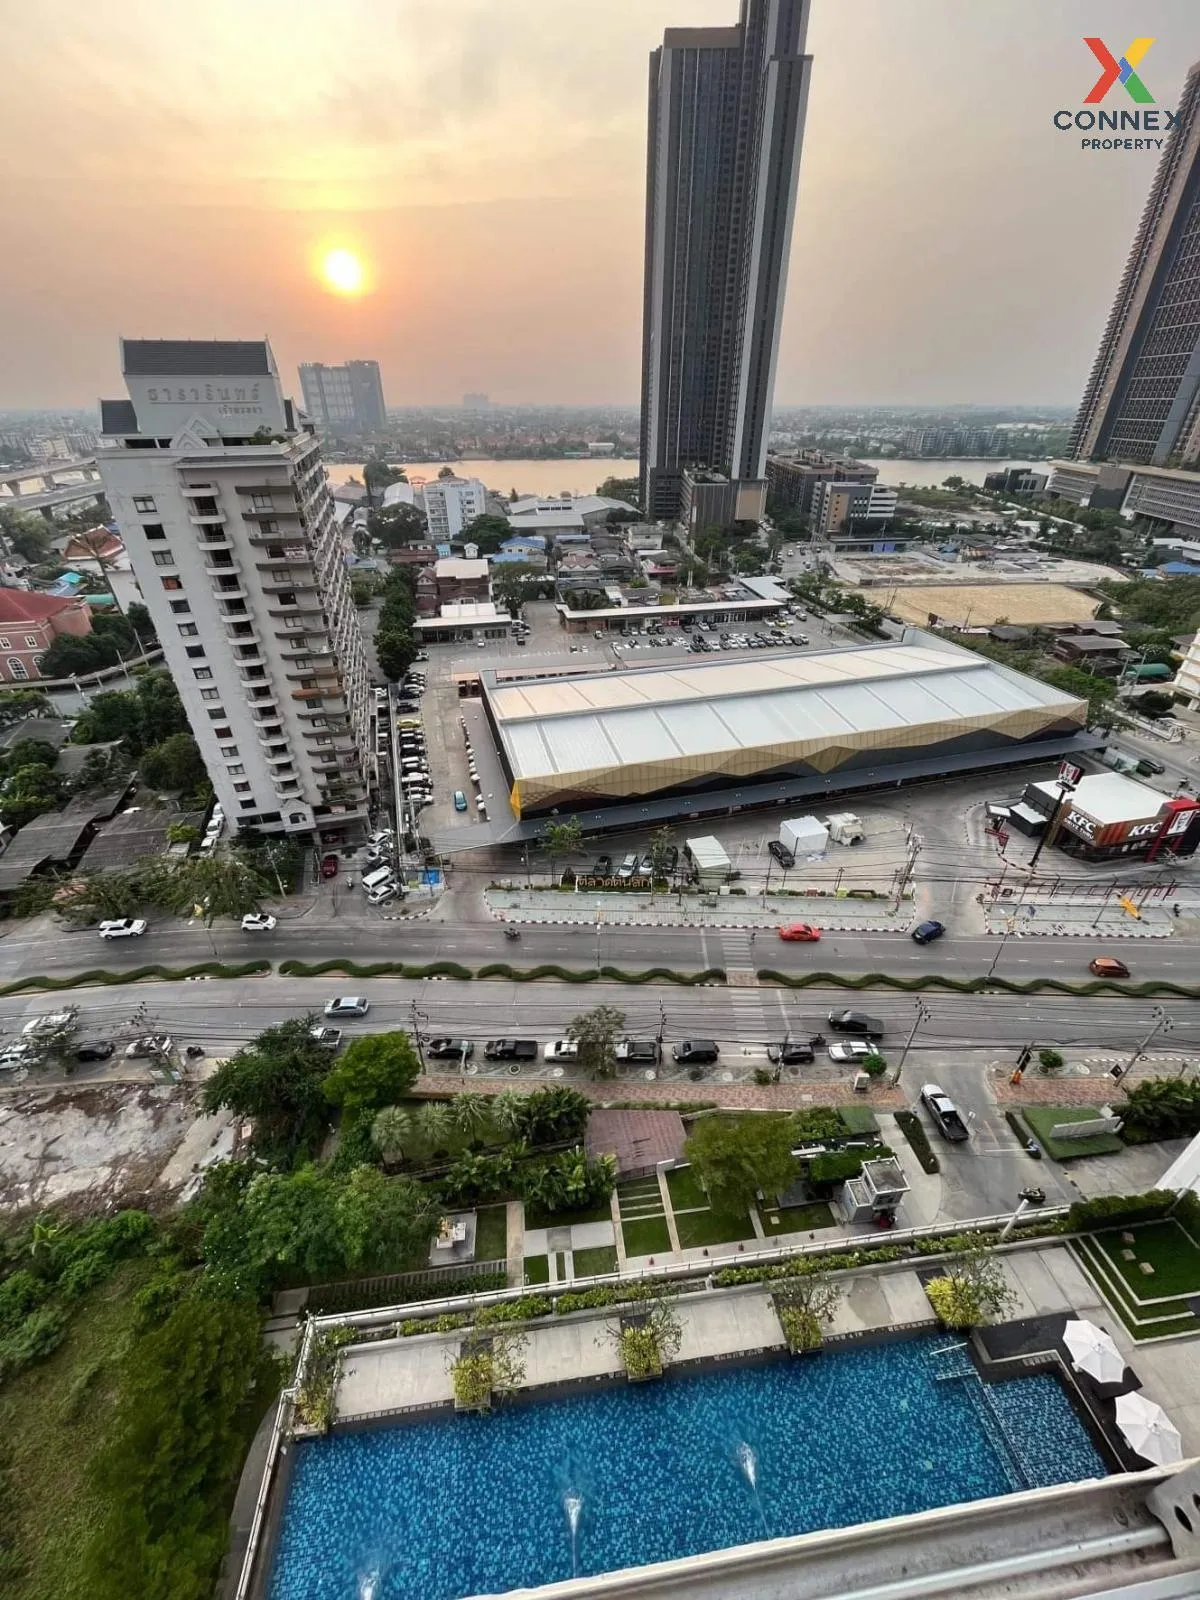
(486, 165)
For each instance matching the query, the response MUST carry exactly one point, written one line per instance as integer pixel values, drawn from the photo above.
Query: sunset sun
(343, 272)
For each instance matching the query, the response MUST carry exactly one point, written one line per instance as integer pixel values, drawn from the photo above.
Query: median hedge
(98, 975)
(885, 980)
(495, 969)
(911, 1127)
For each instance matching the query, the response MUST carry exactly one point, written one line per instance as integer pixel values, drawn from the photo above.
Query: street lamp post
(1028, 1199)
(1162, 1024)
(1009, 930)
(1065, 788)
(923, 1014)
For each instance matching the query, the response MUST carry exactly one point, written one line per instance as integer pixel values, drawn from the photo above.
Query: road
(27, 951)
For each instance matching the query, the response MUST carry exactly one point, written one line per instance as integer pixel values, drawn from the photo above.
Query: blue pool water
(459, 1506)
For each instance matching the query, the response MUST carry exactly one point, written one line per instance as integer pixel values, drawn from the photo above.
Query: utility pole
(1010, 928)
(913, 850)
(1162, 1024)
(418, 1017)
(923, 1014)
(662, 1022)
(1050, 831)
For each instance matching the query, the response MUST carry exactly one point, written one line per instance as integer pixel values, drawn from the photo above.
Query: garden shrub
(835, 1166)
(954, 1303)
(528, 1306)
(911, 1127)
(1113, 1210)
(32, 1339)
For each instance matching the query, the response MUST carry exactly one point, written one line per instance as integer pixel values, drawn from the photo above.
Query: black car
(695, 1050)
(793, 1054)
(603, 866)
(782, 854)
(847, 1021)
(98, 1050)
(511, 1050)
(927, 932)
(1150, 768)
(448, 1049)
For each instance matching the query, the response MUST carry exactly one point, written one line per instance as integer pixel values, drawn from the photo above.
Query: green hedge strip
(884, 980)
(495, 969)
(98, 975)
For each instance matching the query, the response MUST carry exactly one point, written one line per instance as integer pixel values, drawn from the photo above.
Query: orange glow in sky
(342, 272)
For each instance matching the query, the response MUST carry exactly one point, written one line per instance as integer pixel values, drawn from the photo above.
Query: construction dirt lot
(106, 1142)
(981, 605)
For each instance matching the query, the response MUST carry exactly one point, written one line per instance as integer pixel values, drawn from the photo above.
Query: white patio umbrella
(1092, 1350)
(1148, 1429)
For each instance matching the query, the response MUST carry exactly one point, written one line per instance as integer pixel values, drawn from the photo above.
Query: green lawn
(601, 1258)
(537, 1269)
(52, 1418)
(1143, 1321)
(795, 1219)
(1043, 1120)
(640, 1199)
(491, 1233)
(684, 1188)
(646, 1237)
(859, 1119)
(697, 1228)
(1166, 1247)
(537, 1218)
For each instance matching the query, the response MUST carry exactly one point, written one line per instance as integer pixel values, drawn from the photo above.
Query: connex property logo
(1118, 70)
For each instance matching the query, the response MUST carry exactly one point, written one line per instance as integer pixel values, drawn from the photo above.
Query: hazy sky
(171, 169)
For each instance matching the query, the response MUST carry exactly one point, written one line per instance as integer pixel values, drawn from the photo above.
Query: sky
(176, 170)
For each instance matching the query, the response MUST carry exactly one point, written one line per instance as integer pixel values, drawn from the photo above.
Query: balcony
(242, 633)
(217, 568)
(211, 536)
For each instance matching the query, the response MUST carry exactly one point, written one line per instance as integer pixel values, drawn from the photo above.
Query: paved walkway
(515, 1243)
(838, 915)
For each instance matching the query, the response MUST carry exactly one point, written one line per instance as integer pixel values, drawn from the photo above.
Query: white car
(50, 1022)
(329, 1037)
(851, 1049)
(257, 922)
(124, 928)
(347, 1005)
(561, 1050)
(150, 1044)
(382, 893)
(15, 1056)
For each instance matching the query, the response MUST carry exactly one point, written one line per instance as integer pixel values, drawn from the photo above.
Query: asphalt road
(24, 952)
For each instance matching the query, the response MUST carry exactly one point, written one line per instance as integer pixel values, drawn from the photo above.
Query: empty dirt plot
(981, 605)
(92, 1143)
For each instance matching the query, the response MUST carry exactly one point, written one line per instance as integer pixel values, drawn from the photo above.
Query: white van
(379, 876)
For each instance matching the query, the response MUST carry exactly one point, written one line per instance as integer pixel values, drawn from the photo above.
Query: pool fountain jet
(573, 1506)
(368, 1586)
(748, 1462)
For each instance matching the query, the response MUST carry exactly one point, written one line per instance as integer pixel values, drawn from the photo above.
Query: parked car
(124, 928)
(695, 1050)
(847, 1021)
(851, 1049)
(603, 867)
(561, 1050)
(328, 1038)
(782, 854)
(382, 893)
(944, 1112)
(1108, 967)
(347, 1005)
(460, 800)
(628, 867)
(927, 932)
(149, 1045)
(50, 1022)
(258, 922)
(800, 933)
(1149, 767)
(95, 1050)
(643, 1050)
(449, 1049)
(329, 866)
(793, 1054)
(15, 1056)
(511, 1050)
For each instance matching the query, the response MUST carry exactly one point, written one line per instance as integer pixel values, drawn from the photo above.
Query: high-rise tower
(222, 501)
(726, 121)
(1142, 401)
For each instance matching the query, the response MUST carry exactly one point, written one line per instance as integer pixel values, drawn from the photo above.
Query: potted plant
(802, 1305)
(316, 1396)
(647, 1339)
(487, 1368)
(972, 1289)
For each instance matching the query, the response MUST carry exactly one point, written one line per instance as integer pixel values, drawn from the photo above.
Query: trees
(145, 716)
(395, 650)
(28, 792)
(660, 851)
(192, 1391)
(1162, 1108)
(627, 489)
(176, 764)
(394, 1134)
(546, 1116)
(382, 1221)
(223, 886)
(973, 1288)
(802, 1304)
(375, 1070)
(598, 1032)
(488, 530)
(568, 1181)
(26, 533)
(377, 475)
(472, 1115)
(511, 582)
(395, 646)
(560, 839)
(277, 1081)
(735, 1157)
(398, 525)
(17, 704)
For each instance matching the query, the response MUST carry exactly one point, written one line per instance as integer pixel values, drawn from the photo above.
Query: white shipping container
(804, 836)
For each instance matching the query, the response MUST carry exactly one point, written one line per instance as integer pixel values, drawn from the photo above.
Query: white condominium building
(450, 504)
(221, 497)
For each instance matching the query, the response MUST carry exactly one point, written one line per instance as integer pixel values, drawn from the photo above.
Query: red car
(329, 866)
(800, 933)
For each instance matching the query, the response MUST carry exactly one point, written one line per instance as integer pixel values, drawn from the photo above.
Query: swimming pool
(453, 1506)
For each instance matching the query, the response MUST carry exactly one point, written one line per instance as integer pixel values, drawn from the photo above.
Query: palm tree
(472, 1114)
(508, 1111)
(435, 1123)
(393, 1134)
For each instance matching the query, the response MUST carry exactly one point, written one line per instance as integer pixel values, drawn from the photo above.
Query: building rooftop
(1109, 797)
(461, 569)
(638, 1139)
(23, 605)
(188, 358)
(657, 713)
(134, 834)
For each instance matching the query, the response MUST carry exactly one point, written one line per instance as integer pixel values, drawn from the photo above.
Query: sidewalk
(1062, 918)
(666, 910)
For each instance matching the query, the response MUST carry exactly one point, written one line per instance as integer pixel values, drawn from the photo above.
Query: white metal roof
(619, 718)
(1107, 797)
(708, 852)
